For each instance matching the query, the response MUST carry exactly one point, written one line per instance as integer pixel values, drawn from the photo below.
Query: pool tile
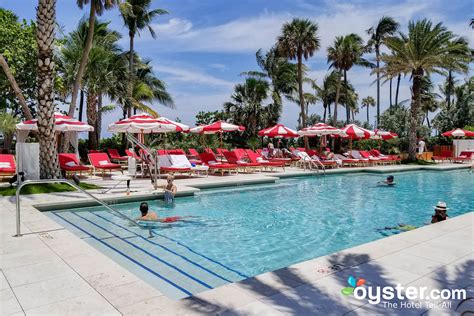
(26, 257)
(37, 272)
(3, 282)
(8, 303)
(268, 284)
(10, 245)
(52, 291)
(433, 252)
(408, 262)
(92, 304)
(129, 293)
(224, 297)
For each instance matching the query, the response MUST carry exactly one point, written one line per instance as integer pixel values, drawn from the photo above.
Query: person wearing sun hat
(440, 212)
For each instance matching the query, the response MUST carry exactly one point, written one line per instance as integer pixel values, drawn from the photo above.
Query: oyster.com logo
(354, 283)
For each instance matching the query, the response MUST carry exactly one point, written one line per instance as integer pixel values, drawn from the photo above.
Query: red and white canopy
(278, 130)
(355, 132)
(62, 123)
(458, 133)
(147, 124)
(320, 129)
(217, 127)
(379, 134)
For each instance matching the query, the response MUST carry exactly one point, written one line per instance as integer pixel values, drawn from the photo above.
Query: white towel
(5, 165)
(71, 164)
(179, 161)
(103, 163)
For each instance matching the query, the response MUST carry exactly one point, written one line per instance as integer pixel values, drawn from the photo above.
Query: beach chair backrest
(99, 159)
(65, 158)
(114, 153)
(8, 159)
(446, 153)
(207, 157)
(164, 161)
(179, 161)
(231, 157)
(94, 151)
(240, 153)
(130, 153)
(304, 156)
(193, 152)
(252, 155)
(364, 154)
(467, 154)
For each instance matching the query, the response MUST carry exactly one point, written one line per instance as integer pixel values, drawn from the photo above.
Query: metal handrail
(156, 167)
(27, 182)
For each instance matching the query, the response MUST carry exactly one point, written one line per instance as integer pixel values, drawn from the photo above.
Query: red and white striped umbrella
(355, 132)
(379, 134)
(147, 124)
(458, 133)
(62, 123)
(320, 129)
(217, 127)
(279, 130)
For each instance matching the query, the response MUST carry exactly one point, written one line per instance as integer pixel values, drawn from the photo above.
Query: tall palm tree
(368, 102)
(46, 22)
(327, 92)
(137, 16)
(281, 74)
(385, 28)
(399, 77)
(97, 7)
(426, 49)
(429, 99)
(299, 39)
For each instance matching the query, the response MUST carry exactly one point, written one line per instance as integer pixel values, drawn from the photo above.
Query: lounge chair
(115, 156)
(350, 162)
(446, 155)
(166, 165)
(392, 158)
(306, 161)
(70, 164)
(464, 156)
(102, 162)
(7, 165)
(193, 153)
(267, 164)
(210, 160)
(373, 160)
(245, 166)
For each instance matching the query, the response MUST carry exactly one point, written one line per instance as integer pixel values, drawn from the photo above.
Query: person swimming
(440, 213)
(150, 216)
(389, 181)
(388, 230)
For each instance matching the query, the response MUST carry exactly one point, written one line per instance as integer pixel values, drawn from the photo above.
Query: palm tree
(299, 39)
(429, 102)
(385, 28)
(327, 92)
(368, 102)
(137, 16)
(246, 107)
(426, 49)
(46, 22)
(96, 7)
(281, 74)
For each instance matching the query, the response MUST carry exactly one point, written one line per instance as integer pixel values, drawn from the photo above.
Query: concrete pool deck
(51, 271)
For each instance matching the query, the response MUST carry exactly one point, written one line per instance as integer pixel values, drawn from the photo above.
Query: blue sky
(203, 45)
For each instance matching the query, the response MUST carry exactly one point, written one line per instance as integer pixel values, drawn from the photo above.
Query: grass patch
(46, 188)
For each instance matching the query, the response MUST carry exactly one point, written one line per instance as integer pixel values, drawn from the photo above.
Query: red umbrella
(379, 134)
(217, 127)
(278, 130)
(356, 132)
(458, 133)
(62, 123)
(320, 129)
(147, 124)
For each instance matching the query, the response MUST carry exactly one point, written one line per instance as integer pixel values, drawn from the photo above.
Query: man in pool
(389, 181)
(151, 216)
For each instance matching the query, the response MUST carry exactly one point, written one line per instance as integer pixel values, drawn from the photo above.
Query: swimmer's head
(390, 178)
(144, 208)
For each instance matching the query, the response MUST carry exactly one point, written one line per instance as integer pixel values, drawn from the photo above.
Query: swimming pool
(244, 231)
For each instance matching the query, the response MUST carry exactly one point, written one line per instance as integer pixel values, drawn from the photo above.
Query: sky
(203, 46)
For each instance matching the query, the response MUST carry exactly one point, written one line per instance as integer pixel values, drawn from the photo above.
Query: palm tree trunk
(398, 88)
(329, 111)
(390, 92)
(338, 92)
(415, 105)
(16, 88)
(92, 119)
(428, 120)
(46, 23)
(348, 110)
(448, 90)
(84, 58)
(98, 125)
(324, 115)
(368, 113)
(377, 56)
(81, 105)
(131, 74)
(300, 90)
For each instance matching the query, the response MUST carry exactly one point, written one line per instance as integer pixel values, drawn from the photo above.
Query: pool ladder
(77, 187)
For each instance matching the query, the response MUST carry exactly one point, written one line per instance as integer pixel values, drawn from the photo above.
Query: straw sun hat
(441, 206)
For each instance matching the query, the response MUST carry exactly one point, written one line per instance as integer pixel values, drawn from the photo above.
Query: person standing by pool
(421, 146)
(440, 213)
(170, 189)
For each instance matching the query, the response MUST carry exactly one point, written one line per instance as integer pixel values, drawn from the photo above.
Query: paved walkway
(50, 271)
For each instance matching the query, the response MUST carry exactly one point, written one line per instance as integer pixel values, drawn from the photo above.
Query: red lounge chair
(373, 160)
(391, 158)
(69, 163)
(7, 165)
(211, 161)
(166, 165)
(256, 158)
(193, 153)
(232, 158)
(102, 162)
(446, 155)
(115, 156)
(465, 156)
(221, 151)
(132, 154)
(93, 151)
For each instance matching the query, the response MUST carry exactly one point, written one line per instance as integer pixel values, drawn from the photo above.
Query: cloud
(190, 76)
(220, 67)
(173, 27)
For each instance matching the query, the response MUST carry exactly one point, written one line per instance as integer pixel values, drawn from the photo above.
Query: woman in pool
(389, 181)
(170, 189)
(440, 213)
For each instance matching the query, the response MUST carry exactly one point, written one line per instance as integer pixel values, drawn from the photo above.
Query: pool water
(248, 230)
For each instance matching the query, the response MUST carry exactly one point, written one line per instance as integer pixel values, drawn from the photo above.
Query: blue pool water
(247, 230)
